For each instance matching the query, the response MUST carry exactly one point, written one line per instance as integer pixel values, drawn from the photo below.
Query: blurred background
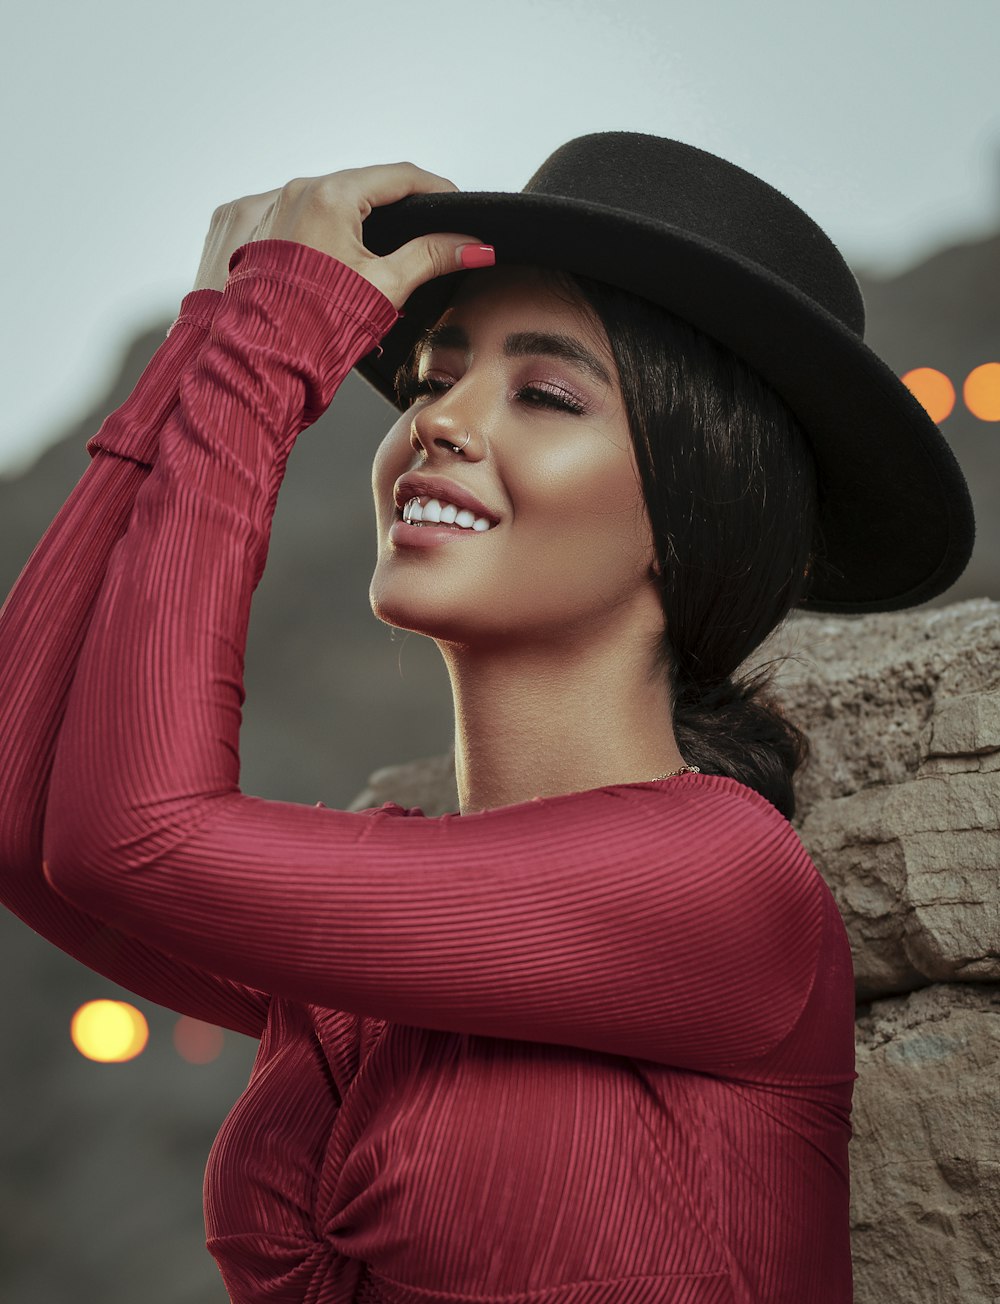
(124, 128)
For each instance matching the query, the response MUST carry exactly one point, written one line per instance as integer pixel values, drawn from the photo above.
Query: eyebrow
(522, 344)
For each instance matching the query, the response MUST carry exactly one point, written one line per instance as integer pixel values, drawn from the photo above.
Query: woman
(501, 1056)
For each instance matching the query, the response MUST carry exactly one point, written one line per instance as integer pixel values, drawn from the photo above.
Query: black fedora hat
(733, 256)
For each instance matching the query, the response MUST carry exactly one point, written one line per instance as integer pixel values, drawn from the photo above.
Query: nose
(446, 422)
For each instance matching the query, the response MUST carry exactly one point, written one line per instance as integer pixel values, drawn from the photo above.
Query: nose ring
(458, 448)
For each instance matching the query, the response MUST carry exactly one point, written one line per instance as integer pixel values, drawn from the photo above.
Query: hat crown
(678, 185)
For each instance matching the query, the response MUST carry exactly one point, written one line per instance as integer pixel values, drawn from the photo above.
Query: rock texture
(899, 806)
(925, 1162)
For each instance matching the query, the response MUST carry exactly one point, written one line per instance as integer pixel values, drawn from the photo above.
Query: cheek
(390, 461)
(575, 547)
(585, 493)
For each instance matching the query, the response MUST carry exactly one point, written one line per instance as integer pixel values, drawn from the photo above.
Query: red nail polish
(478, 255)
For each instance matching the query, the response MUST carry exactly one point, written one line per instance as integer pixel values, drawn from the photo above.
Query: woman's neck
(541, 722)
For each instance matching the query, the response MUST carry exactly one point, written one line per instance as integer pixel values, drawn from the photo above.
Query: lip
(418, 486)
(405, 535)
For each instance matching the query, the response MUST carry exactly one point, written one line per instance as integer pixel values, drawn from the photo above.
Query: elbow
(89, 852)
(27, 833)
(71, 880)
(22, 799)
(93, 832)
(81, 849)
(18, 838)
(68, 863)
(53, 874)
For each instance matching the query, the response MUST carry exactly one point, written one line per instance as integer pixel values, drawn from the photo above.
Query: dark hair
(731, 491)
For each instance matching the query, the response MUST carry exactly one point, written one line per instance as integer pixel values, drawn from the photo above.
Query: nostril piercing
(458, 448)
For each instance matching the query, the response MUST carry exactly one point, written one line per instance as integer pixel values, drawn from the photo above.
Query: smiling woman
(534, 615)
(593, 504)
(500, 1059)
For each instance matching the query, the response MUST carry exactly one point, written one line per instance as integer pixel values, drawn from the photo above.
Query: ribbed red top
(586, 1048)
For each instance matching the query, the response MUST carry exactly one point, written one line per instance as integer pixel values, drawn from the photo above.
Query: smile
(438, 510)
(428, 534)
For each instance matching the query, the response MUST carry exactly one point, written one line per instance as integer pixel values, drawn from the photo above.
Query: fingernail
(477, 255)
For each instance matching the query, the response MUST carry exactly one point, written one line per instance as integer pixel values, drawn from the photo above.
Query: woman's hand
(232, 225)
(326, 213)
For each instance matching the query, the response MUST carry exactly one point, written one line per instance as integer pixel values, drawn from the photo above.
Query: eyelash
(409, 387)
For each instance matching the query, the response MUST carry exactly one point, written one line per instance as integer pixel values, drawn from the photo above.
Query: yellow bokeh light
(981, 391)
(933, 391)
(109, 1031)
(197, 1042)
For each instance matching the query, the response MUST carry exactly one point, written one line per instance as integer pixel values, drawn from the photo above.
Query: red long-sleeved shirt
(585, 1048)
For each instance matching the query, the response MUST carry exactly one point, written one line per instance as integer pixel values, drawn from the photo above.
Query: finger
(399, 273)
(384, 183)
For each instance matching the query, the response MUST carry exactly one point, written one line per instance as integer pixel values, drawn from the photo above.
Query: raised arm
(592, 919)
(42, 626)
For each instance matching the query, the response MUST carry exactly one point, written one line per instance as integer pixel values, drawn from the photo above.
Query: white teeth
(438, 511)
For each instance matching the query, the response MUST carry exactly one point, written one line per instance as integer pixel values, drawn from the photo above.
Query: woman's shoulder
(726, 821)
(708, 783)
(716, 795)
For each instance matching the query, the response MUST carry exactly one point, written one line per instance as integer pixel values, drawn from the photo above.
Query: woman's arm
(611, 920)
(42, 626)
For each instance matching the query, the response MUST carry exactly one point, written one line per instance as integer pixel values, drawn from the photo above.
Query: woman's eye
(550, 398)
(413, 387)
(410, 387)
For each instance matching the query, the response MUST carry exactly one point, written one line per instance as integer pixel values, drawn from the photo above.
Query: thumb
(426, 257)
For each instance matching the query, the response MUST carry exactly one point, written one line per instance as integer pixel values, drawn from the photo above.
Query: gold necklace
(685, 769)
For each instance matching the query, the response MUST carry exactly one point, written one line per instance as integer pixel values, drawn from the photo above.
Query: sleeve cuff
(198, 308)
(311, 269)
(133, 429)
(304, 312)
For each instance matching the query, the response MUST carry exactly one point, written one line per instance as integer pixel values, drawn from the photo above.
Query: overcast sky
(125, 125)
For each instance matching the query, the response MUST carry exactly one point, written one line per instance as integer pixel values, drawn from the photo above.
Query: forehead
(520, 290)
(523, 312)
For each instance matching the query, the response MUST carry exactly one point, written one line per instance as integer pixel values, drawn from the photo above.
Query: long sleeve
(42, 626)
(593, 919)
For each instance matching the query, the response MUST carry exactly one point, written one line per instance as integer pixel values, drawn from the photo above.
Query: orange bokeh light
(981, 391)
(933, 391)
(197, 1042)
(110, 1032)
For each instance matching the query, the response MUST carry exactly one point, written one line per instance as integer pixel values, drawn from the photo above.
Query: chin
(397, 604)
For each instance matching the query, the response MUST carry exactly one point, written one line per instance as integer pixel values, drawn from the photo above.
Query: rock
(866, 689)
(914, 868)
(426, 783)
(925, 1155)
(900, 803)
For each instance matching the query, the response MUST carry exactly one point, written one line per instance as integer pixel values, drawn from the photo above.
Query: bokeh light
(933, 390)
(197, 1042)
(981, 391)
(110, 1032)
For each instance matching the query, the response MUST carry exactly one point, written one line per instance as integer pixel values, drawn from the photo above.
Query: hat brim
(896, 516)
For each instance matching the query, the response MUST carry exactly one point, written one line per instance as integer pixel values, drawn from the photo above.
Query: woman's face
(548, 453)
